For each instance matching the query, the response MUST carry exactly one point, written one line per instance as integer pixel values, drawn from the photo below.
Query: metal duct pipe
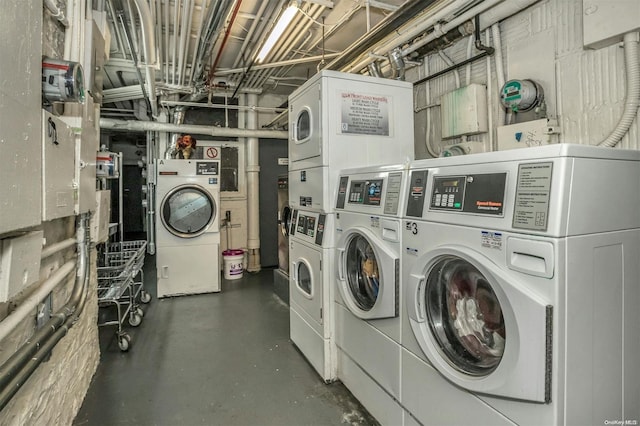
(374, 69)
(388, 25)
(149, 48)
(153, 126)
(56, 12)
(253, 190)
(19, 367)
(397, 64)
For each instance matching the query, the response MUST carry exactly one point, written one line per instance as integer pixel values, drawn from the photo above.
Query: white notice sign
(364, 114)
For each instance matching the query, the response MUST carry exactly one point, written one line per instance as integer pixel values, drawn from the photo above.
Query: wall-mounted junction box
(606, 21)
(19, 263)
(529, 133)
(58, 168)
(464, 111)
(462, 148)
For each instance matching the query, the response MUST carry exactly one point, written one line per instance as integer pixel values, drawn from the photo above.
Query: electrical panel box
(100, 218)
(84, 119)
(58, 172)
(606, 21)
(464, 111)
(20, 118)
(528, 134)
(19, 263)
(95, 58)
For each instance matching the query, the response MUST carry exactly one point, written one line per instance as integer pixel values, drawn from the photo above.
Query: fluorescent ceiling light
(281, 25)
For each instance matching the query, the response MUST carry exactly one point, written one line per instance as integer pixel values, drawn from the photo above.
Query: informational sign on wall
(364, 114)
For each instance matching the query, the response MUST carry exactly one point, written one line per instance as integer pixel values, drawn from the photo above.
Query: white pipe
(470, 45)
(253, 189)
(632, 102)
(407, 34)
(497, 44)
(145, 126)
(487, 36)
(28, 306)
(149, 47)
(427, 97)
(56, 12)
(54, 248)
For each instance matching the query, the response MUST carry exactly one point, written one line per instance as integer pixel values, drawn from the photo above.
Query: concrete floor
(215, 359)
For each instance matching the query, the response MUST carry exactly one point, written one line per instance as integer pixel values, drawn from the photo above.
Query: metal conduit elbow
(397, 64)
(374, 69)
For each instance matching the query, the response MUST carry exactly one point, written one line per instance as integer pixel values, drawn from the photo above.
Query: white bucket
(233, 264)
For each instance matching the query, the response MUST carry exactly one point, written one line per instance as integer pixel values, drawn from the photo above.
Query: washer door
(306, 283)
(368, 274)
(285, 221)
(188, 211)
(479, 326)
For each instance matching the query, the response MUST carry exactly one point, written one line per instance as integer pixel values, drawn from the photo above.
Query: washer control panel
(367, 192)
(477, 193)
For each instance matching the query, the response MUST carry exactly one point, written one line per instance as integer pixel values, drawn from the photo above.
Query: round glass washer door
(464, 316)
(187, 211)
(362, 272)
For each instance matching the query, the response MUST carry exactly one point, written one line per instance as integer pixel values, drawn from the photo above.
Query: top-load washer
(187, 227)
(340, 120)
(521, 286)
(367, 312)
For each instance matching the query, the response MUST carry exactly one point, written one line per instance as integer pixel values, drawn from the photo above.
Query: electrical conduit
(632, 67)
(19, 367)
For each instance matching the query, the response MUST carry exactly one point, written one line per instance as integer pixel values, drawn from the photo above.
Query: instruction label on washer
(491, 239)
(533, 192)
(364, 114)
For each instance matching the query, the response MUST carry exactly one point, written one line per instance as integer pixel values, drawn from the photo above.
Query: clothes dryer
(281, 274)
(513, 264)
(368, 248)
(310, 289)
(187, 227)
(342, 120)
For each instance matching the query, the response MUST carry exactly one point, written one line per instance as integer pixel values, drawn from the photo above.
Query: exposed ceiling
(205, 48)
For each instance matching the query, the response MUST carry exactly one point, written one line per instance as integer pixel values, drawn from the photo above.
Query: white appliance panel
(378, 402)
(58, 168)
(188, 270)
(306, 282)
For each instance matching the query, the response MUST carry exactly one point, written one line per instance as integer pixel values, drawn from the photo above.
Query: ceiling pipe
(149, 48)
(388, 25)
(234, 13)
(277, 64)
(154, 126)
(56, 12)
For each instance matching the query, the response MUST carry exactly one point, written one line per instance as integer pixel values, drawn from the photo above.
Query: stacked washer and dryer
(187, 227)
(521, 288)
(338, 120)
(368, 225)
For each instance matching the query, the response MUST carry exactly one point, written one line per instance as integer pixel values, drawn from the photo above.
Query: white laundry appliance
(340, 120)
(367, 312)
(521, 287)
(281, 274)
(310, 296)
(187, 227)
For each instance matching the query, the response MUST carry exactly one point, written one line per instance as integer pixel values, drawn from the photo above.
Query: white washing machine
(187, 227)
(521, 287)
(340, 120)
(367, 321)
(310, 295)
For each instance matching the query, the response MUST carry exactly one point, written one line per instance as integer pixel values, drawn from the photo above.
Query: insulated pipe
(632, 67)
(28, 306)
(56, 247)
(397, 64)
(253, 189)
(19, 367)
(145, 126)
(149, 48)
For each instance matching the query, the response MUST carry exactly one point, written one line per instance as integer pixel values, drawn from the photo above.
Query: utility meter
(521, 95)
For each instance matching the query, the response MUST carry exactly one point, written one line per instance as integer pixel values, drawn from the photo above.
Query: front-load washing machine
(521, 286)
(187, 227)
(310, 296)
(341, 120)
(281, 274)
(367, 311)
